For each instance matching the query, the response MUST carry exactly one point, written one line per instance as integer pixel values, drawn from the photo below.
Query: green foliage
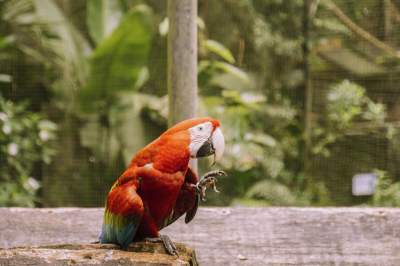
(45, 51)
(347, 103)
(256, 126)
(216, 68)
(118, 68)
(265, 138)
(25, 139)
(387, 192)
(255, 151)
(95, 55)
(272, 193)
(218, 49)
(119, 62)
(103, 16)
(96, 19)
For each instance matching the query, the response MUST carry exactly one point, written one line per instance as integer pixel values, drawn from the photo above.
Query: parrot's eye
(200, 128)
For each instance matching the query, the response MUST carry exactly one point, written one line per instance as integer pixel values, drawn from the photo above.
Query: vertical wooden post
(182, 60)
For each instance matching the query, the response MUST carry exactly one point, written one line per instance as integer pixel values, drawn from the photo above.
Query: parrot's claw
(206, 181)
(168, 244)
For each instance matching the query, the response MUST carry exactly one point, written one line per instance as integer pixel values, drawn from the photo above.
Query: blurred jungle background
(307, 91)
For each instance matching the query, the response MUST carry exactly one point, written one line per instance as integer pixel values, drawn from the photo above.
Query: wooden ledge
(140, 253)
(233, 236)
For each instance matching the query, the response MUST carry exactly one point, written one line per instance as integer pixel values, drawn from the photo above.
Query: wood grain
(237, 236)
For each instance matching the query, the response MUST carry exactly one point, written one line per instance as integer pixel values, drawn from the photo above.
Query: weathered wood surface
(141, 253)
(237, 236)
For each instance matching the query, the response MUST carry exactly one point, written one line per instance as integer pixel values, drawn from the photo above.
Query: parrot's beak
(206, 149)
(214, 145)
(218, 142)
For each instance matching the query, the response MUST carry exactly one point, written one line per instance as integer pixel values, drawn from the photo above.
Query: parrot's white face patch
(198, 135)
(213, 141)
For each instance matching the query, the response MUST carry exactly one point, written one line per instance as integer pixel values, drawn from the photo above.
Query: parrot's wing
(123, 214)
(187, 201)
(192, 211)
(191, 178)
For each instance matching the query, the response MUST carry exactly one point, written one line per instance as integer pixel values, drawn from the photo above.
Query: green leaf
(231, 77)
(231, 69)
(262, 139)
(274, 193)
(6, 41)
(63, 39)
(220, 50)
(96, 19)
(102, 18)
(119, 60)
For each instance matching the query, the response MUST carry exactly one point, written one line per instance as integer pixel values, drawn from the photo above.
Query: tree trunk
(182, 60)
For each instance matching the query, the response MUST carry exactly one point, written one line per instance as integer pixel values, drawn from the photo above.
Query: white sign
(364, 184)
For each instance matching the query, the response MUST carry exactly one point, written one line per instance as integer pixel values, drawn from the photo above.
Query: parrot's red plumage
(158, 186)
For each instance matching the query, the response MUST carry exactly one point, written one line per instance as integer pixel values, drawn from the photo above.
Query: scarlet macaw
(159, 186)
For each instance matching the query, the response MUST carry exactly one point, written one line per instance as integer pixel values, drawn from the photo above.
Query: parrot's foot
(168, 244)
(208, 180)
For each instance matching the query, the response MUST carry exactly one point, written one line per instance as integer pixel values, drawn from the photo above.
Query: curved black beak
(206, 149)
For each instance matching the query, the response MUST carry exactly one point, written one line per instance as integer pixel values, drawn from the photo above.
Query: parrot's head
(206, 139)
(205, 135)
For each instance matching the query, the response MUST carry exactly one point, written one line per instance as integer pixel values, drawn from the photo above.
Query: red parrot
(159, 186)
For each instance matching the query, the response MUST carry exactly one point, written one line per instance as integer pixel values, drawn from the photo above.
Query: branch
(360, 32)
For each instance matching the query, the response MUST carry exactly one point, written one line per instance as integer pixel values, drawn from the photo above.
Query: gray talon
(168, 244)
(206, 181)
